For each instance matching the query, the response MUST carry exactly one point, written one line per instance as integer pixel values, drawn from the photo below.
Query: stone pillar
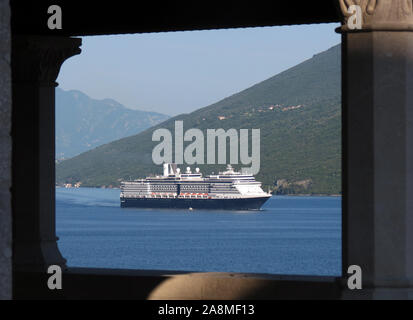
(377, 71)
(5, 153)
(36, 63)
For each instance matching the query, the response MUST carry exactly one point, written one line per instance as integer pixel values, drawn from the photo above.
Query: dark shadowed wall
(5, 152)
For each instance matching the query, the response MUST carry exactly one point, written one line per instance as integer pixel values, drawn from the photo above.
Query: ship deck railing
(187, 196)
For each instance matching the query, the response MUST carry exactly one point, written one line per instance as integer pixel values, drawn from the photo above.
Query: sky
(179, 72)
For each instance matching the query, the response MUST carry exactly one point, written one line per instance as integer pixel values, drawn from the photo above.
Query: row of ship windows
(193, 187)
(182, 188)
(216, 187)
(223, 188)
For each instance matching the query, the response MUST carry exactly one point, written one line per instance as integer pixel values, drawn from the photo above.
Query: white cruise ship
(228, 190)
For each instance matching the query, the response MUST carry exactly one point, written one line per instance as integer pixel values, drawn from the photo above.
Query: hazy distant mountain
(83, 123)
(298, 112)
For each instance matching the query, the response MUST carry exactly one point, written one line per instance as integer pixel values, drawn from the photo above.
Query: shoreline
(310, 195)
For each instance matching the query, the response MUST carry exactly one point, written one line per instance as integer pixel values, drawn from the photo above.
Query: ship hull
(182, 203)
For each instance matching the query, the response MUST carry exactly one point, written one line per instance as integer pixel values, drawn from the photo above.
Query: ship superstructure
(175, 189)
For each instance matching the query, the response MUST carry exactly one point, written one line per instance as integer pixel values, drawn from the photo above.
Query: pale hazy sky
(178, 72)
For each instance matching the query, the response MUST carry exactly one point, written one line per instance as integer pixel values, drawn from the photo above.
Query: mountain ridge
(83, 123)
(298, 112)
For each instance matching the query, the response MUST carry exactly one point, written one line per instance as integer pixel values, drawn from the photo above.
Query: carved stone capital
(37, 59)
(379, 15)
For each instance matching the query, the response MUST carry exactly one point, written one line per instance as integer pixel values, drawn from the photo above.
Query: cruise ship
(229, 190)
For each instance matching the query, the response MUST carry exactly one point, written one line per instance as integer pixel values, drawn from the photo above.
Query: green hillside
(298, 112)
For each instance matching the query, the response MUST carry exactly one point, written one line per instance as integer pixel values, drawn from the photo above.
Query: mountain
(83, 123)
(298, 112)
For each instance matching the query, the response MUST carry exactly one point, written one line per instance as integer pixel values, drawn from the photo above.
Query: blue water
(291, 235)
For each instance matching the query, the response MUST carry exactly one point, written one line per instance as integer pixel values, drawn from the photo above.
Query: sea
(293, 235)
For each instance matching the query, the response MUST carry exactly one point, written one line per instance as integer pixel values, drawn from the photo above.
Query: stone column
(36, 62)
(377, 71)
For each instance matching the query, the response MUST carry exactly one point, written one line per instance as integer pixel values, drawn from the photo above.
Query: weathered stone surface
(378, 112)
(5, 153)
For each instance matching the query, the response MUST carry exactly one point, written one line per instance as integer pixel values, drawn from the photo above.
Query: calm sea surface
(291, 235)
